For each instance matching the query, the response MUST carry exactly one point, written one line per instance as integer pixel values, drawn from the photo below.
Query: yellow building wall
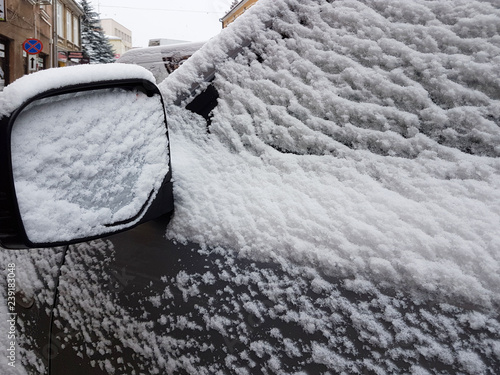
(231, 16)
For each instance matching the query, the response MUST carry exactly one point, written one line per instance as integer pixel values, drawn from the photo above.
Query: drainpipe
(55, 57)
(35, 19)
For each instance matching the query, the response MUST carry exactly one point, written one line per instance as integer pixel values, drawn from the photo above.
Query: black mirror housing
(159, 201)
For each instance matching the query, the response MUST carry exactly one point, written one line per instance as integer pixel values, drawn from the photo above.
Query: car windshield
(359, 139)
(353, 138)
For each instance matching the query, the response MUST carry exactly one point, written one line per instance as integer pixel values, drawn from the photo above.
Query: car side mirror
(83, 161)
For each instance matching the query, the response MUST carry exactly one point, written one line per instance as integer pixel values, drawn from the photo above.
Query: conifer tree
(233, 4)
(94, 43)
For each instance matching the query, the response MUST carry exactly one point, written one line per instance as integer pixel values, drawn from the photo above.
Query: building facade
(55, 23)
(68, 34)
(237, 11)
(118, 35)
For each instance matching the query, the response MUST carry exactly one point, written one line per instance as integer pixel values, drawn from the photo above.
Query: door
(4, 62)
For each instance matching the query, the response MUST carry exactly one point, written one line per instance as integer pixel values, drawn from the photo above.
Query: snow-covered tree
(233, 4)
(94, 42)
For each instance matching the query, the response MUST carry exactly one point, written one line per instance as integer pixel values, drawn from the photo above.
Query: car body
(336, 175)
(161, 60)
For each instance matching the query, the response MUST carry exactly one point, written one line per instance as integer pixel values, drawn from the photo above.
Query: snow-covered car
(161, 60)
(336, 184)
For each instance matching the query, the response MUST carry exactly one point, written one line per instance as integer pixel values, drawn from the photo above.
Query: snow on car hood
(358, 137)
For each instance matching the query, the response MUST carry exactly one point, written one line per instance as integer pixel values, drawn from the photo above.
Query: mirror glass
(88, 163)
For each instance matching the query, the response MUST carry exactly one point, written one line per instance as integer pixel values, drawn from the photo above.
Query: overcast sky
(190, 20)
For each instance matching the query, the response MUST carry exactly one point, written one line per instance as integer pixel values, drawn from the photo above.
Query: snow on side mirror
(83, 161)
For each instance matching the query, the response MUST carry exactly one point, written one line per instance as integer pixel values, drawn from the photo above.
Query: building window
(60, 24)
(76, 31)
(4, 62)
(69, 27)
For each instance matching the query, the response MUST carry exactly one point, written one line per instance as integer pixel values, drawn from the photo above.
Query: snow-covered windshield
(358, 137)
(77, 171)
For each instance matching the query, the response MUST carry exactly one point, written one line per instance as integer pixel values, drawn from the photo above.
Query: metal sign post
(32, 63)
(33, 46)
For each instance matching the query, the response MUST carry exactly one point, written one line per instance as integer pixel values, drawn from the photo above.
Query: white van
(161, 60)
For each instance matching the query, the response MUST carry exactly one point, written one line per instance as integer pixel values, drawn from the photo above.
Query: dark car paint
(141, 262)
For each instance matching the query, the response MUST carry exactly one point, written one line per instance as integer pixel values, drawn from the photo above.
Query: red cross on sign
(32, 46)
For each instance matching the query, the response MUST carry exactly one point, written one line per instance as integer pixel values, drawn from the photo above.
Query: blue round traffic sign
(32, 46)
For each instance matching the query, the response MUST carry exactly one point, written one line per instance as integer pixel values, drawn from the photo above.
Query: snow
(359, 138)
(354, 141)
(82, 193)
(264, 317)
(160, 60)
(28, 86)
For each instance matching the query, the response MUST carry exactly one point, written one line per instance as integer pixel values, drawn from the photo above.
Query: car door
(139, 303)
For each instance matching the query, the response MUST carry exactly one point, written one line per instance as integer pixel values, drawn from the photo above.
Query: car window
(356, 138)
(350, 137)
